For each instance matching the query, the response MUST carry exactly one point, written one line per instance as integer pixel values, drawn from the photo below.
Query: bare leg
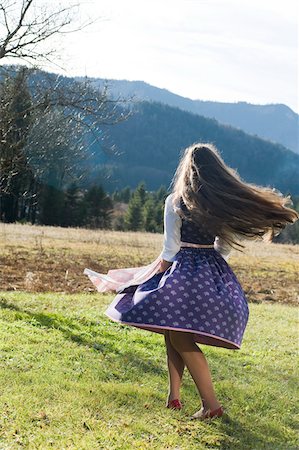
(176, 367)
(197, 365)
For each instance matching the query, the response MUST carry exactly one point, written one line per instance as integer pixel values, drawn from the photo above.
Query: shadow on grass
(247, 437)
(71, 329)
(234, 434)
(228, 432)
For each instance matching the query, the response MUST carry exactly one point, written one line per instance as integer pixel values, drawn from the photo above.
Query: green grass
(73, 379)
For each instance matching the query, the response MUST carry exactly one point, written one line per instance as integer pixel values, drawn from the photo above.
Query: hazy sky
(224, 50)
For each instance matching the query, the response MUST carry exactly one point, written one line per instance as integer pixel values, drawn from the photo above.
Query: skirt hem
(218, 341)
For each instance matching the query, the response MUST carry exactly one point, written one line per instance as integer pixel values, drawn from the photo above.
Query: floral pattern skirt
(199, 293)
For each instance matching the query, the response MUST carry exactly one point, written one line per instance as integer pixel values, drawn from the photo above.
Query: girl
(189, 293)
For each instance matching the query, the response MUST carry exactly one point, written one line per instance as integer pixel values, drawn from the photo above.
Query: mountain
(275, 122)
(149, 143)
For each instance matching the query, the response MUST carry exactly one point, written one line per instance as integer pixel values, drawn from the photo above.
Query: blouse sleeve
(222, 247)
(172, 231)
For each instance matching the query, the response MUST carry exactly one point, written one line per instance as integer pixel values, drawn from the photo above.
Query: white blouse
(172, 234)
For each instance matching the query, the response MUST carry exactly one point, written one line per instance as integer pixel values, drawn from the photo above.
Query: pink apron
(118, 279)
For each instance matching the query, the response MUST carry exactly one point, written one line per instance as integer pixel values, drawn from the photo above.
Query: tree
(16, 177)
(141, 192)
(74, 207)
(78, 108)
(99, 208)
(123, 195)
(159, 198)
(44, 134)
(55, 148)
(25, 25)
(149, 216)
(126, 194)
(134, 215)
(159, 216)
(51, 206)
(161, 194)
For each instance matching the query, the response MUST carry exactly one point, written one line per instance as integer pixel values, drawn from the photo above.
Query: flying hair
(218, 199)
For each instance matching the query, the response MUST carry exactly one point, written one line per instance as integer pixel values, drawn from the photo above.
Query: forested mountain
(146, 146)
(149, 143)
(71, 155)
(274, 122)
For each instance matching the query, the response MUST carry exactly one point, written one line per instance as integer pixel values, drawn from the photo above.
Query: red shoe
(174, 404)
(202, 415)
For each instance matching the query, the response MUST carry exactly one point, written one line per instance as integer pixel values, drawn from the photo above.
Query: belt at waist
(190, 244)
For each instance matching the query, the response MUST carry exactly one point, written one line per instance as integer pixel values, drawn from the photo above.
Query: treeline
(74, 207)
(124, 210)
(144, 210)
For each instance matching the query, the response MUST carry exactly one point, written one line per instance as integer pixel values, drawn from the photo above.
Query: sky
(222, 50)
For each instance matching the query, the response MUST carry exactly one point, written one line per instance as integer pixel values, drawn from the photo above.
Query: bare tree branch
(23, 29)
(84, 110)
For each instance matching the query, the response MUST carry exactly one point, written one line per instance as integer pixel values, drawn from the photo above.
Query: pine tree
(99, 208)
(149, 216)
(141, 192)
(74, 208)
(161, 193)
(51, 205)
(125, 194)
(134, 215)
(159, 200)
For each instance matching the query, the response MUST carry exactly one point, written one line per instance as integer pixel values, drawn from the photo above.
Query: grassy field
(72, 379)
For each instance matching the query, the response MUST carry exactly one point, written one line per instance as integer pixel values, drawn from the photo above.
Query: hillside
(147, 146)
(149, 143)
(273, 122)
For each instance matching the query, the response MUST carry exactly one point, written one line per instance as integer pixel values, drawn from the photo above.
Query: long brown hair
(226, 206)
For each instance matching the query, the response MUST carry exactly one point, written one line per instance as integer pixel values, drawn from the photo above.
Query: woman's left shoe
(174, 404)
(208, 414)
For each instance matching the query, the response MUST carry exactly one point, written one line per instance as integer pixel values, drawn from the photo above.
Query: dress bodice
(193, 233)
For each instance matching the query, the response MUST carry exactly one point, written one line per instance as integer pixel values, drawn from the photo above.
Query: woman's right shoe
(208, 414)
(174, 404)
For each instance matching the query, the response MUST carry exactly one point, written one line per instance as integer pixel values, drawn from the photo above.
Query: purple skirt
(199, 293)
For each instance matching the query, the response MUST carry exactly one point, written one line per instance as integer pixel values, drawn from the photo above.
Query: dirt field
(42, 259)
